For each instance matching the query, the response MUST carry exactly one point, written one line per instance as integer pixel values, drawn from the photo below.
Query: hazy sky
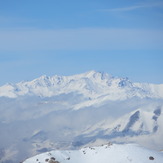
(121, 37)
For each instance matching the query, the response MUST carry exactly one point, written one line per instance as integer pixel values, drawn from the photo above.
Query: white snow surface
(116, 153)
(92, 84)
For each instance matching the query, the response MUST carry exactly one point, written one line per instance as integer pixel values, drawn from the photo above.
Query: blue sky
(122, 38)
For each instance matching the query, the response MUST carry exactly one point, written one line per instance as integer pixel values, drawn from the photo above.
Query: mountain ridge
(90, 84)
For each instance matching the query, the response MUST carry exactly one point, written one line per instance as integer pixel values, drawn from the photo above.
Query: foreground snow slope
(117, 153)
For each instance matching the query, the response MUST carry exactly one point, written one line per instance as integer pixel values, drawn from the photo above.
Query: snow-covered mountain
(141, 122)
(91, 84)
(116, 153)
(69, 112)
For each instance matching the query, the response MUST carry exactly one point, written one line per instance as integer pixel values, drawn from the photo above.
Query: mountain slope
(116, 153)
(141, 122)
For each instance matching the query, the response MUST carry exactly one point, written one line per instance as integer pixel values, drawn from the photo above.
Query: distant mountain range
(70, 112)
(91, 84)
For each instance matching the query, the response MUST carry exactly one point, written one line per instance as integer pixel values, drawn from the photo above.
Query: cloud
(130, 8)
(80, 39)
(135, 7)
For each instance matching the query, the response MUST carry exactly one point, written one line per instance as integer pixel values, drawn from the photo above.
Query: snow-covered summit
(91, 84)
(116, 153)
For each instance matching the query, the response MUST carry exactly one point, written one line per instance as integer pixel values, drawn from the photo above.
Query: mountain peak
(97, 74)
(43, 77)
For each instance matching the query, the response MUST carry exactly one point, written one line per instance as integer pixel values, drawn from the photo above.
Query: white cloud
(130, 8)
(134, 7)
(78, 39)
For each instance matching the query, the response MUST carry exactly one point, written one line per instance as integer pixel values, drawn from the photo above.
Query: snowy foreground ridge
(117, 153)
